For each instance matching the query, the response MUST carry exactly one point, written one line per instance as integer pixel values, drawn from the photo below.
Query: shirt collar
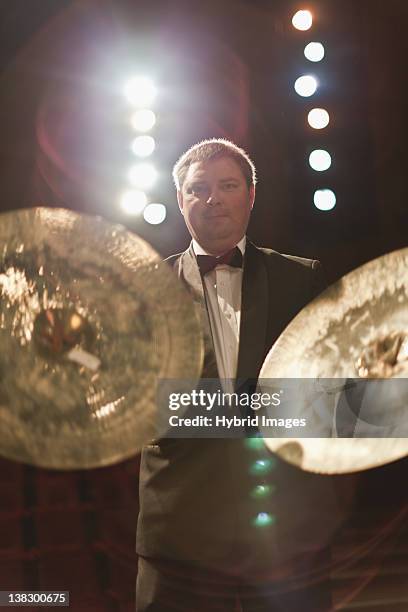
(198, 250)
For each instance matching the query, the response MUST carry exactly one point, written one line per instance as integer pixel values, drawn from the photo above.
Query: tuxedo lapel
(254, 314)
(187, 270)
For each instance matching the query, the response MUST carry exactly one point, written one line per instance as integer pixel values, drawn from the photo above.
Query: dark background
(223, 68)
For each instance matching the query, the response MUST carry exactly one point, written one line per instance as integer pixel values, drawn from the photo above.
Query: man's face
(216, 203)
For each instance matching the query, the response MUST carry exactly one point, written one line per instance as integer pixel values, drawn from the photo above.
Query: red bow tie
(206, 263)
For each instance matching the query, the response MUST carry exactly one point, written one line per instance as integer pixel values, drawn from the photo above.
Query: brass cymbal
(90, 321)
(355, 331)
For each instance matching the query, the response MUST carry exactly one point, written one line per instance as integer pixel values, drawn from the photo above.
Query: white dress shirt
(223, 290)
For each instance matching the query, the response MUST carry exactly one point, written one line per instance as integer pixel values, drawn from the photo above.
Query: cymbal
(353, 335)
(90, 321)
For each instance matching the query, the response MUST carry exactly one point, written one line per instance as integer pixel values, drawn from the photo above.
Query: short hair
(213, 148)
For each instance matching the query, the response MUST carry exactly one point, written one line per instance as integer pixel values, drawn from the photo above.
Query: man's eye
(196, 189)
(229, 186)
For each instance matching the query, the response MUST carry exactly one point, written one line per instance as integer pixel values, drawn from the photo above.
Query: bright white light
(143, 146)
(143, 120)
(320, 160)
(142, 175)
(133, 202)
(302, 20)
(318, 118)
(314, 52)
(154, 213)
(305, 85)
(140, 91)
(324, 199)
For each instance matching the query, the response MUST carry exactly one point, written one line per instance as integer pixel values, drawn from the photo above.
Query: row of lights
(318, 118)
(262, 491)
(140, 92)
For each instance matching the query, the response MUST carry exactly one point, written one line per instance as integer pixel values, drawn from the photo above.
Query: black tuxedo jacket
(196, 500)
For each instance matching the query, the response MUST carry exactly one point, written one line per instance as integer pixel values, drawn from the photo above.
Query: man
(206, 540)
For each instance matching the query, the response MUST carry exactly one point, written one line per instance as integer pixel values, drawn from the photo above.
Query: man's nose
(213, 198)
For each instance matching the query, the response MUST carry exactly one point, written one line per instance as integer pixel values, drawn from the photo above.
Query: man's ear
(180, 201)
(252, 195)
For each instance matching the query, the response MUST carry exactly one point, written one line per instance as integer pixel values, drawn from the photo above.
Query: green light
(264, 519)
(262, 490)
(255, 443)
(262, 466)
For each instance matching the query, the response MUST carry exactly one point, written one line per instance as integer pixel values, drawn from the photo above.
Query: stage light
(140, 91)
(143, 146)
(262, 466)
(318, 118)
(255, 443)
(142, 176)
(320, 160)
(314, 52)
(143, 120)
(154, 213)
(133, 202)
(262, 490)
(306, 85)
(302, 20)
(264, 519)
(324, 199)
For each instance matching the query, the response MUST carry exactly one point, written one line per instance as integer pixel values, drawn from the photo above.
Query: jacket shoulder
(173, 259)
(291, 260)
